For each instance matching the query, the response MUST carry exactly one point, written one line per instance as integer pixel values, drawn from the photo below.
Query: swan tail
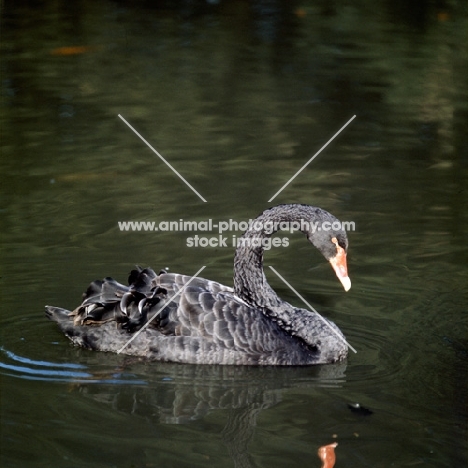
(57, 314)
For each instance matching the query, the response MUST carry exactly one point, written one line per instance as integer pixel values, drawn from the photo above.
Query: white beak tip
(346, 282)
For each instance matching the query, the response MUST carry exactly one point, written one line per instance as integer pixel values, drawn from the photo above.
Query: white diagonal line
(178, 293)
(308, 305)
(162, 159)
(312, 158)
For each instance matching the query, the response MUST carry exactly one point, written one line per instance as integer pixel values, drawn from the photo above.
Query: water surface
(237, 96)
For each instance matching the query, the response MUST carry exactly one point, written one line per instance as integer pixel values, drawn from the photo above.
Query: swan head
(333, 244)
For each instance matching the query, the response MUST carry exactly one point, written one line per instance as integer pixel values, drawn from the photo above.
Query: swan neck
(250, 283)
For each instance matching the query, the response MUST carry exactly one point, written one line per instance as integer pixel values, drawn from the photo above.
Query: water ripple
(29, 369)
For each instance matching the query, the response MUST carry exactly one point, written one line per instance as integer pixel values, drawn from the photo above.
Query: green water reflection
(237, 96)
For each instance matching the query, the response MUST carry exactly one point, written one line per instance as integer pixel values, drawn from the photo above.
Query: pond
(236, 98)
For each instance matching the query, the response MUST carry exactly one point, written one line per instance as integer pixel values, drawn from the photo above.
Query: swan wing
(172, 317)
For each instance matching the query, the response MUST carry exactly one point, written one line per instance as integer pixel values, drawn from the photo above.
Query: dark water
(237, 96)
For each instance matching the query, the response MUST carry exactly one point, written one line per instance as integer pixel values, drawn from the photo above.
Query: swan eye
(338, 245)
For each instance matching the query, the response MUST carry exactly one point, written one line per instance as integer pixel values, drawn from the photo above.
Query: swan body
(177, 318)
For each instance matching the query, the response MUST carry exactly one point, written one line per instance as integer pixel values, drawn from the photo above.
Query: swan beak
(338, 262)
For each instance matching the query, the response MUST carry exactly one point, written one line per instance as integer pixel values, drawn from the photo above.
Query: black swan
(208, 323)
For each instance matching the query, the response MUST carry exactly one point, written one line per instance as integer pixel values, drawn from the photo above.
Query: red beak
(338, 262)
